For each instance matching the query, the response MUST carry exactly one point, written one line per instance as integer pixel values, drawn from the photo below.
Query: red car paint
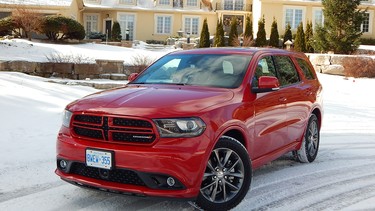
(269, 124)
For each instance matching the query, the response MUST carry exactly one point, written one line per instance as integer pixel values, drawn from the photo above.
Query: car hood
(152, 101)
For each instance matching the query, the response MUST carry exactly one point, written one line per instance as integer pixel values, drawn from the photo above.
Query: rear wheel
(227, 177)
(310, 144)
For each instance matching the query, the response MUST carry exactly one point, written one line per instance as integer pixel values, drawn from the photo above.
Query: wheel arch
(238, 135)
(319, 115)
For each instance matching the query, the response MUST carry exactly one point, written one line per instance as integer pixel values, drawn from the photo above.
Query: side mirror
(267, 84)
(132, 77)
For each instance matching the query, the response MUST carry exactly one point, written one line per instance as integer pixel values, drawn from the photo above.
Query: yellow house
(160, 19)
(44, 7)
(296, 11)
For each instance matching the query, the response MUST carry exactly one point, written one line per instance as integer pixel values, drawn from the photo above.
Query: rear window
(306, 69)
(287, 72)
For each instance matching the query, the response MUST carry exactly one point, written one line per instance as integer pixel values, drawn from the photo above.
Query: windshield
(214, 70)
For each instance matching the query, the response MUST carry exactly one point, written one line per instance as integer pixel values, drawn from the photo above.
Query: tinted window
(265, 68)
(286, 70)
(306, 69)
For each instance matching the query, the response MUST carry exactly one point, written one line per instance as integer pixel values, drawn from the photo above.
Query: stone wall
(111, 69)
(331, 63)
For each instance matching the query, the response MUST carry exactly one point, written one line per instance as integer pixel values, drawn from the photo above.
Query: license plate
(99, 159)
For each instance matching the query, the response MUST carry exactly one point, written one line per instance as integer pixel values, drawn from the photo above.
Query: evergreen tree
(116, 32)
(299, 42)
(249, 28)
(342, 21)
(233, 34)
(261, 35)
(204, 41)
(248, 35)
(288, 34)
(309, 38)
(219, 36)
(274, 37)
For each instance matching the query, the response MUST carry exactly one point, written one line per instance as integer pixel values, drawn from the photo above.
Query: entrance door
(108, 28)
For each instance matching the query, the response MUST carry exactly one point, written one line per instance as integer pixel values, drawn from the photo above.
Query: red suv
(194, 125)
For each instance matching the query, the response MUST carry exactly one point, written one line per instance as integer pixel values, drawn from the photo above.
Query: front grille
(113, 129)
(122, 176)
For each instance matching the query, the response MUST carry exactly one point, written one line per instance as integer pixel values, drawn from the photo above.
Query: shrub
(97, 35)
(28, 20)
(309, 37)
(68, 58)
(261, 39)
(158, 42)
(219, 40)
(299, 42)
(7, 25)
(367, 41)
(140, 62)
(233, 34)
(59, 27)
(116, 32)
(359, 67)
(204, 40)
(288, 34)
(274, 37)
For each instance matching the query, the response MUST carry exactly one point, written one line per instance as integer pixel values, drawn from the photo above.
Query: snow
(18, 49)
(342, 177)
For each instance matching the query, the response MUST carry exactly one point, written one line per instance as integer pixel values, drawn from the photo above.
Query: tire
(225, 183)
(310, 144)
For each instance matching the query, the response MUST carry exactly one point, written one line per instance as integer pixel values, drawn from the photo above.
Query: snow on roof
(38, 2)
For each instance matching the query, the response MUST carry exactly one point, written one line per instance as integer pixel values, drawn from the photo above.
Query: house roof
(38, 2)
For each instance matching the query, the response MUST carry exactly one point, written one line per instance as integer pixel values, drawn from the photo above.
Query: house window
(91, 23)
(318, 18)
(127, 22)
(365, 26)
(164, 24)
(192, 3)
(233, 5)
(191, 25)
(293, 17)
(125, 2)
(92, 1)
(164, 2)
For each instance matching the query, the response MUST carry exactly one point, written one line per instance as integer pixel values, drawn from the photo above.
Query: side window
(286, 70)
(306, 69)
(265, 68)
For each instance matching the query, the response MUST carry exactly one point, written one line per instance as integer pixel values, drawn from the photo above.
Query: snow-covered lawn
(342, 177)
(23, 50)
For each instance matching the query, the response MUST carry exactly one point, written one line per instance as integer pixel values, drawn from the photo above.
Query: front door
(270, 113)
(108, 28)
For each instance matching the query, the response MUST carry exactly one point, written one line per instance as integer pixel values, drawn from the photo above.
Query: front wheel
(227, 177)
(310, 144)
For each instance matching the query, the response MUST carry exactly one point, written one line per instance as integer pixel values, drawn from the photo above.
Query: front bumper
(140, 170)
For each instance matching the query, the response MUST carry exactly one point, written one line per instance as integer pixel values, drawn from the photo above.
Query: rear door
(295, 100)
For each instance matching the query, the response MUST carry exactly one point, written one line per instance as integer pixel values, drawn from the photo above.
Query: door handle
(282, 99)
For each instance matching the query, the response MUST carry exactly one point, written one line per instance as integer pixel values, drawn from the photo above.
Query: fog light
(170, 181)
(63, 164)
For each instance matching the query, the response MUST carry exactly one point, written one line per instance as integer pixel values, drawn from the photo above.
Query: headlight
(181, 127)
(67, 115)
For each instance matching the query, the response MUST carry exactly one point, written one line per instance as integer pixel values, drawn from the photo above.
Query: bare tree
(27, 19)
